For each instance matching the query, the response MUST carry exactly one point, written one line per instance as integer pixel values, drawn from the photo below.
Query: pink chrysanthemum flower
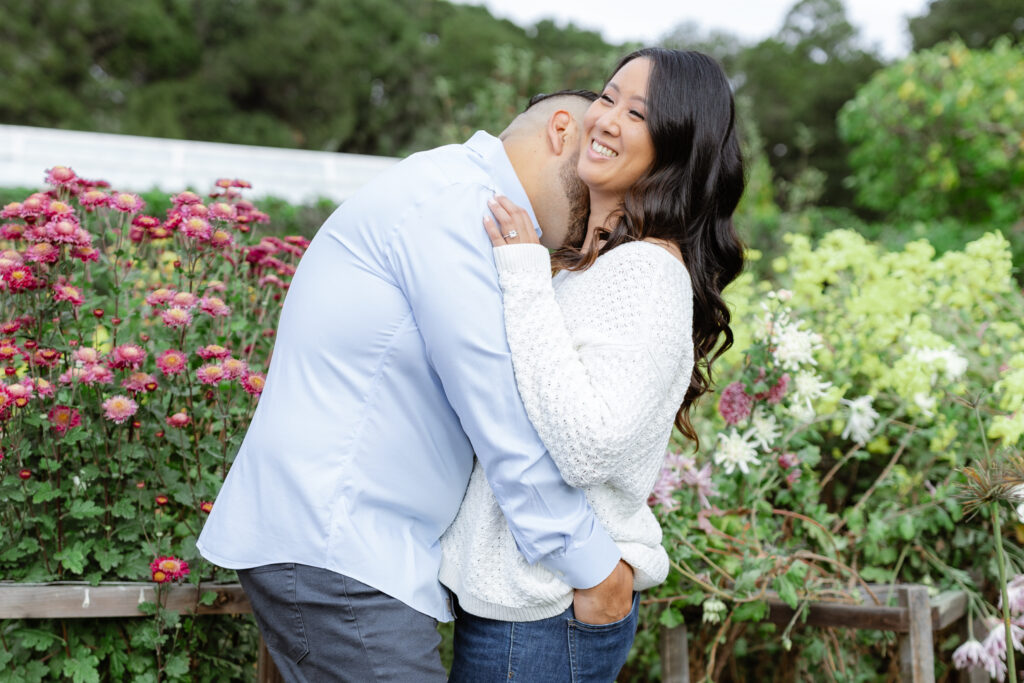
(172, 362)
(254, 383)
(96, 373)
(776, 393)
(42, 386)
(126, 356)
(211, 374)
(195, 227)
(34, 205)
(86, 254)
(42, 252)
(186, 197)
(212, 351)
(159, 232)
(195, 211)
(126, 202)
(11, 210)
(19, 393)
(119, 408)
(10, 326)
(223, 211)
(734, 404)
(184, 300)
(63, 230)
(788, 460)
(63, 418)
(140, 382)
(61, 176)
(270, 279)
(297, 240)
(59, 209)
(221, 239)
(235, 368)
(8, 349)
(46, 358)
(176, 317)
(159, 296)
(86, 355)
(145, 222)
(164, 569)
(12, 231)
(214, 306)
(93, 199)
(179, 419)
(206, 506)
(72, 295)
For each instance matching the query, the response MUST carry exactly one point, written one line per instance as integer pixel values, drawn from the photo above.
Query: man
(390, 369)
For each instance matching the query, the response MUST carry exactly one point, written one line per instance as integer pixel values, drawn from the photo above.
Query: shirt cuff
(589, 564)
(523, 258)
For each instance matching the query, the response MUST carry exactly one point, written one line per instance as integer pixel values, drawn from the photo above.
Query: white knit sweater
(602, 359)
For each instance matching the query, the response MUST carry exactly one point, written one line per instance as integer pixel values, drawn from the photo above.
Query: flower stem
(1001, 563)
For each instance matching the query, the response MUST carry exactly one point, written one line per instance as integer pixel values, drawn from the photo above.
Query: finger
(504, 218)
(493, 232)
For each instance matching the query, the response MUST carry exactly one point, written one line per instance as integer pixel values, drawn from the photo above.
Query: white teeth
(602, 150)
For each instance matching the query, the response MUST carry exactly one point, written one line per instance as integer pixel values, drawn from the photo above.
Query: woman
(606, 354)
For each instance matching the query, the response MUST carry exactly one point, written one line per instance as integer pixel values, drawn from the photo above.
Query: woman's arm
(590, 401)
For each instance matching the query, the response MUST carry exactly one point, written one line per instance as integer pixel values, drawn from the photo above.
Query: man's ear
(561, 131)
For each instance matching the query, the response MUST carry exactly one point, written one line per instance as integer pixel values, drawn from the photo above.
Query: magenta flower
(72, 295)
(179, 419)
(96, 373)
(126, 356)
(223, 211)
(254, 383)
(93, 199)
(176, 317)
(42, 252)
(58, 209)
(164, 569)
(119, 408)
(86, 354)
(186, 197)
(12, 231)
(63, 418)
(11, 210)
(86, 254)
(184, 300)
(211, 374)
(221, 239)
(212, 351)
(126, 202)
(41, 386)
(214, 306)
(140, 382)
(195, 227)
(159, 296)
(61, 176)
(172, 362)
(235, 368)
(734, 404)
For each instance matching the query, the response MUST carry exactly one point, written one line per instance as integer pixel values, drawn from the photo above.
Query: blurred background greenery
(836, 136)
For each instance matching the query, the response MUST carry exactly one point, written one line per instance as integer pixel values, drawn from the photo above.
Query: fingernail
(491, 202)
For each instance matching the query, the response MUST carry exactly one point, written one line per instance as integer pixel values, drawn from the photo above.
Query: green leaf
(82, 668)
(123, 508)
(208, 598)
(107, 558)
(72, 558)
(36, 639)
(176, 665)
(750, 611)
(786, 589)
(84, 509)
(670, 617)
(45, 492)
(906, 527)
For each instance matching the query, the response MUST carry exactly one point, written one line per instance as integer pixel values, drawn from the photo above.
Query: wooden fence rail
(79, 600)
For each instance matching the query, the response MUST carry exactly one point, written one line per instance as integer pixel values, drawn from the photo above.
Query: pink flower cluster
(990, 654)
(735, 404)
(677, 471)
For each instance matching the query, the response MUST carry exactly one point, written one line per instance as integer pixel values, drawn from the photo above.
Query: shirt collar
(495, 161)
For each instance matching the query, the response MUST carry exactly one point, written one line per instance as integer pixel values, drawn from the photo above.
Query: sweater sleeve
(590, 398)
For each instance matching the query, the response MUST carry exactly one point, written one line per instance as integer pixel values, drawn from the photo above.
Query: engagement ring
(511, 234)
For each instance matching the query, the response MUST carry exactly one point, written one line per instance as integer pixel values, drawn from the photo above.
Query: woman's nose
(609, 121)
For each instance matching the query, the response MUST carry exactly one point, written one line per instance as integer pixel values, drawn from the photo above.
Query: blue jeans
(555, 650)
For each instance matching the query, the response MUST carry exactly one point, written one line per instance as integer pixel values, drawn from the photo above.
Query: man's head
(543, 144)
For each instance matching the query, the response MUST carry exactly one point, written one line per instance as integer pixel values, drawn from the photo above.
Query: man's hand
(609, 600)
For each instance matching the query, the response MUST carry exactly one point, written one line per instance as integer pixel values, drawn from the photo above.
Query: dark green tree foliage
(342, 75)
(977, 23)
(798, 81)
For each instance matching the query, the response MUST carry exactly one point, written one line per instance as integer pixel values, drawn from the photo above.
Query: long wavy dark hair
(688, 198)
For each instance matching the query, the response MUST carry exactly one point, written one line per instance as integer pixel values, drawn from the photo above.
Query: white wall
(137, 164)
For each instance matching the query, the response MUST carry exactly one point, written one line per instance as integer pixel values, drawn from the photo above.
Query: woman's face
(617, 147)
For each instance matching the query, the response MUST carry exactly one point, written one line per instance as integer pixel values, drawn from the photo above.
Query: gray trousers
(321, 626)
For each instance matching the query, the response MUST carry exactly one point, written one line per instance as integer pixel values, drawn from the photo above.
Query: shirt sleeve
(591, 398)
(441, 258)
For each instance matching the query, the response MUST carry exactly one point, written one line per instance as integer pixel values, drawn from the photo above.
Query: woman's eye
(637, 114)
(607, 98)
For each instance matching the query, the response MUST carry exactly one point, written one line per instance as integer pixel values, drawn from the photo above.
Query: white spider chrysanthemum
(765, 428)
(736, 451)
(861, 420)
(952, 364)
(794, 347)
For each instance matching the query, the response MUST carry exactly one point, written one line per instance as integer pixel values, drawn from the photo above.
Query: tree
(939, 135)
(977, 24)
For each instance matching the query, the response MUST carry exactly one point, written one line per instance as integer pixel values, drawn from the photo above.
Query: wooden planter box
(79, 600)
(914, 617)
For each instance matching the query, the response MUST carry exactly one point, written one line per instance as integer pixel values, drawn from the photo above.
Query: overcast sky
(881, 22)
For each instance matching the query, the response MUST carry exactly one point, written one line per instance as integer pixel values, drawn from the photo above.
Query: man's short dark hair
(588, 95)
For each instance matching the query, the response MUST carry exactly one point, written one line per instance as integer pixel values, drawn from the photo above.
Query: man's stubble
(578, 194)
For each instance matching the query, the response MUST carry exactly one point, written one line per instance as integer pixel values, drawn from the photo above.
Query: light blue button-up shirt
(390, 369)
